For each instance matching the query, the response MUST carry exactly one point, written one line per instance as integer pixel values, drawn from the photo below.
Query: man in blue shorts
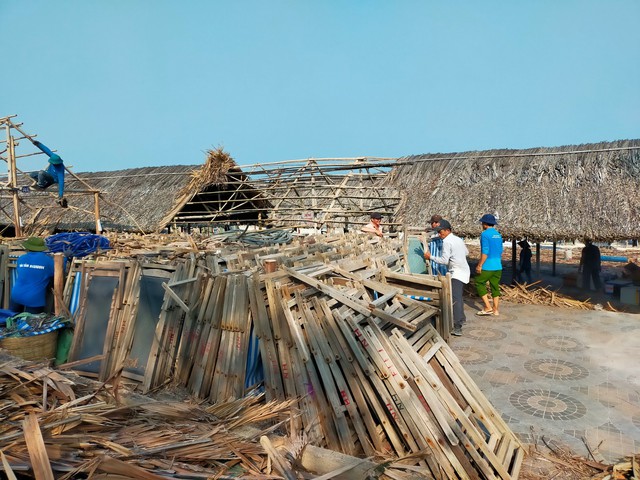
(489, 268)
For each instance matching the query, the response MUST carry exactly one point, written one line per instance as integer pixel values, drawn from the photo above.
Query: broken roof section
(145, 199)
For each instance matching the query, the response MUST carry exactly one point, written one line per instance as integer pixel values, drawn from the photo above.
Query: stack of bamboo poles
(369, 388)
(340, 343)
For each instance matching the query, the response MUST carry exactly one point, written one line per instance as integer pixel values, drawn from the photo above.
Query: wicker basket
(35, 347)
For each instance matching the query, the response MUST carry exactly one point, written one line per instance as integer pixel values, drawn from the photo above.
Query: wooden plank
(220, 373)
(309, 384)
(424, 431)
(212, 346)
(176, 298)
(491, 416)
(162, 332)
(427, 280)
(344, 359)
(380, 372)
(358, 306)
(192, 330)
(273, 379)
(36, 447)
(445, 408)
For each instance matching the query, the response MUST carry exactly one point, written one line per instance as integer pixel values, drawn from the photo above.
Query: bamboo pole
(514, 276)
(96, 206)
(14, 182)
(58, 283)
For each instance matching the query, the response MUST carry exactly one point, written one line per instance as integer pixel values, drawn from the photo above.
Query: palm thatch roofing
(560, 193)
(145, 200)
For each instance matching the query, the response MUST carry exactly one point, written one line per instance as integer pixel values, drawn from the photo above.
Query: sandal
(484, 312)
(496, 314)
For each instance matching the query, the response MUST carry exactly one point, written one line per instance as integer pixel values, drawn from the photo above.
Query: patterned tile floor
(570, 375)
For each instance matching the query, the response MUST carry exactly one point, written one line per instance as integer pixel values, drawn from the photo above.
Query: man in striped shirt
(435, 246)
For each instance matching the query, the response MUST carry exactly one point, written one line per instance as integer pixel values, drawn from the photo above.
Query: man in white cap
(454, 256)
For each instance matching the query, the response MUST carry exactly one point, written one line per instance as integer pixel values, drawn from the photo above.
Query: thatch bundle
(216, 171)
(556, 193)
(218, 191)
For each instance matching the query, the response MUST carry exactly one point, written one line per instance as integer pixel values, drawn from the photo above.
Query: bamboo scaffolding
(12, 180)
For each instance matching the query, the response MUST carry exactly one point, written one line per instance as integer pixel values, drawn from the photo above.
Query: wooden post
(270, 266)
(553, 267)
(514, 257)
(96, 211)
(446, 307)
(538, 259)
(405, 248)
(58, 282)
(13, 182)
(4, 283)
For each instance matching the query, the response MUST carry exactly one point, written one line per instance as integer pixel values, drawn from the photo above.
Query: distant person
(454, 256)
(34, 272)
(524, 267)
(435, 246)
(53, 174)
(373, 228)
(489, 267)
(590, 265)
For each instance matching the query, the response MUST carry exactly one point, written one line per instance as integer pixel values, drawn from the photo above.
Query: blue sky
(131, 83)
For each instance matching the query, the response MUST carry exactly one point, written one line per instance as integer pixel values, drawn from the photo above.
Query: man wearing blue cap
(489, 267)
(53, 174)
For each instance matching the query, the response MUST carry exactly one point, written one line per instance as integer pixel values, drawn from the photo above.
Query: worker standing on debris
(53, 174)
(524, 266)
(435, 246)
(34, 272)
(590, 265)
(454, 256)
(489, 267)
(373, 228)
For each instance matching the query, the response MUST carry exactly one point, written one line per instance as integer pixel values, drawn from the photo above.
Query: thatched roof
(559, 193)
(138, 199)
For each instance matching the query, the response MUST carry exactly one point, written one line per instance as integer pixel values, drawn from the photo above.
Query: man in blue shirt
(34, 271)
(489, 267)
(53, 174)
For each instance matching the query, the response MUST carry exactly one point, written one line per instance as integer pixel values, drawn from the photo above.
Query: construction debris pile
(54, 421)
(328, 328)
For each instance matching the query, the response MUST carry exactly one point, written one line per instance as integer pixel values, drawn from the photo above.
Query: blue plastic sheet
(77, 244)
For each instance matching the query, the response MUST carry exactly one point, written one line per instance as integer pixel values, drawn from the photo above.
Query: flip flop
(484, 313)
(496, 314)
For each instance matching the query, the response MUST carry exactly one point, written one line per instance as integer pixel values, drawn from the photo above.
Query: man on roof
(53, 174)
